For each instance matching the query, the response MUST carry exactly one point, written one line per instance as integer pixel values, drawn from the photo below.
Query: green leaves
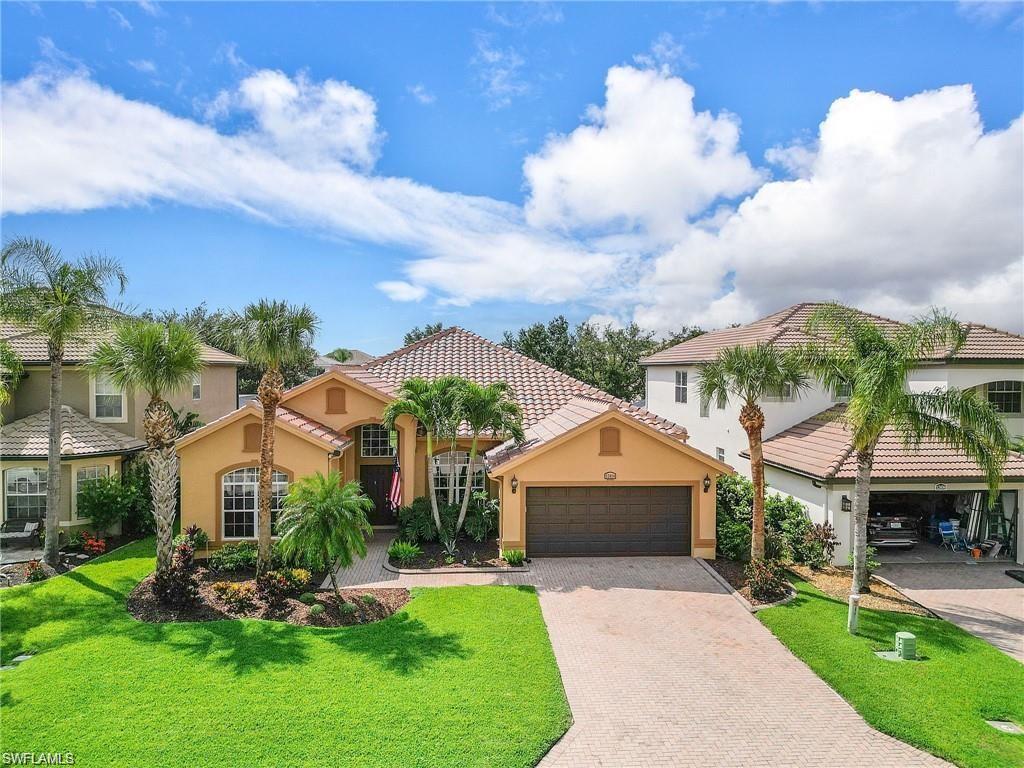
(273, 334)
(749, 374)
(151, 356)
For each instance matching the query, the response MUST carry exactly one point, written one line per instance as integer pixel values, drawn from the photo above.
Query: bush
(416, 521)
(106, 501)
(308, 598)
(234, 557)
(766, 579)
(819, 546)
(139, 518)
(404, 551)
(869, 560)
(787, 517)
(272, 587)
(733, 538)
(368, 599)
(346, 609)
(317, 610)
(296, 578)
(194, 535)
(239, 597)
(178, 585)
(785, 520)
(75, 541)
(93, 545)
(34, 571)
(481, 521)
(514, 557)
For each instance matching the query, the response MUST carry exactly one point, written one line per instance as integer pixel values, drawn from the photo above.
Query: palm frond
(150, 356)
(273, 334)
(324, 522)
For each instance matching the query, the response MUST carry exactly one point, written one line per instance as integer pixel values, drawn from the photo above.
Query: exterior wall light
(707, 483)
(847, 505)
(514, 484)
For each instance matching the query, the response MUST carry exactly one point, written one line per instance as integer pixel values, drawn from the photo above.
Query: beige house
(101, 425)
(595, 476)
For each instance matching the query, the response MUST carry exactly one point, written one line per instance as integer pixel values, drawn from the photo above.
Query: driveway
(981, 598)
(663, 668)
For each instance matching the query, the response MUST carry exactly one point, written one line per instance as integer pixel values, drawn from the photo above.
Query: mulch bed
(732, 572)
(143, 605)
(835, 582)
(70, 558)
(470, 554)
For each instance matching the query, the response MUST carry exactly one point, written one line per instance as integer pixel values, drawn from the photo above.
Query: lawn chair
(25, 532)
(950, 537)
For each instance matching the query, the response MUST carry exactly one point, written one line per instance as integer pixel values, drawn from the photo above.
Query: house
(595, 475)
(101, 425)
(806, 448)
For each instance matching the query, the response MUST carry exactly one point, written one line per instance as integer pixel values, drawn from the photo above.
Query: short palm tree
(158, 359)
(324, 523)
(486, 408)
(57, 299)
(271, 335)
(852, 352)
(10, 371)
(749, 374)
(436, 406)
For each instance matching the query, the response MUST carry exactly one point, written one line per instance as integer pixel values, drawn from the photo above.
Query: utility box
(906, 646)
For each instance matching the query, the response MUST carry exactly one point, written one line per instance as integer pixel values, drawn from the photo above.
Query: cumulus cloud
(400, 290)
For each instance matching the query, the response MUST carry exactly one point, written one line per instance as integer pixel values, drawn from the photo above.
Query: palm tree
(57, 299)
(852, 352)
(750, 374)
(10, 371)
(324, 523)
(158, 359)
(271, 335)
(435, 405)
(486, 408)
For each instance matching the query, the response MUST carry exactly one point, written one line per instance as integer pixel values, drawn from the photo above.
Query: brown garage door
(608, 520)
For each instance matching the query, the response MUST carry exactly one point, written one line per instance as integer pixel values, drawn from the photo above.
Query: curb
(740, 598)
(464, 569)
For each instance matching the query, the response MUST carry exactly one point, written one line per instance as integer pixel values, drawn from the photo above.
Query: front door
(376, 480)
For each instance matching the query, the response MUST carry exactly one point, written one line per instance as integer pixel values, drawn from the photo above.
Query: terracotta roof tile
(80, 436)
(287, 416)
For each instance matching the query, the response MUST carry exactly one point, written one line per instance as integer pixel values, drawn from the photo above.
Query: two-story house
(808, 452)
(101, 424)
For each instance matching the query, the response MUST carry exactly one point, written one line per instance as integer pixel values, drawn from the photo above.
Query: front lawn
(461, 676)
(939, 704)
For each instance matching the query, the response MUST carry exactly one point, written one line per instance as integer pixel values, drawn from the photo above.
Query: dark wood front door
(376, 480)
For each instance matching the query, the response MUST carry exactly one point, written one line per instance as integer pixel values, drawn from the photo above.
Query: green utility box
(906, 646)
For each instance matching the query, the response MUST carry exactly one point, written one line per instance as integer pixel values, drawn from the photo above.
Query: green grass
(461, 676)
(939, 704)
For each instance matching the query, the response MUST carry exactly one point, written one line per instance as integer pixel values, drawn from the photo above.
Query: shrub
(317, 610)
(272, 586)
(75, 540)
(296, 578)
(766, 579)
(869, 561)
(194, 535)
(404, 551)
(234, 557)
(820, 546)
(787, 517)
(515, 557)
(482, 518)
(416, 521)
(93, 545)
(784, 516)
(34, 571)
(733, 539)
(139, 516)
(105, 501)
(178, 585)
(368, 599)
(346, 609)
(239, 597)
(308, 598)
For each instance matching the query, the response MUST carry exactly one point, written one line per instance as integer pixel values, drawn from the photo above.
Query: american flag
(395, 494)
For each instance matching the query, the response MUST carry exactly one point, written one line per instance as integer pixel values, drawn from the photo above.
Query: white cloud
(421, 94)
(149, 6)
(988, 12)
(119, 17)
(400, 290)
(524, 15)
(142, 65)
(499, 71)
(664, 54)
(229, 52)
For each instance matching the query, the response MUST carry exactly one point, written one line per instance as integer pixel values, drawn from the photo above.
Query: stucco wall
(219, 397)
(67, 512)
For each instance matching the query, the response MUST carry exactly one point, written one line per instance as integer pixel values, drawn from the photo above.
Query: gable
(337, 401)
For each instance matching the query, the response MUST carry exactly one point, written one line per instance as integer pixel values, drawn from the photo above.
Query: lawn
(939, 704)
(462, 676)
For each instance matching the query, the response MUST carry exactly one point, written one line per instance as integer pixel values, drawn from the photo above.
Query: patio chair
(950, 539)
(20, 532)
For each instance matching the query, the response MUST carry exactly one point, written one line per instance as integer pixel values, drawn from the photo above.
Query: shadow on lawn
(400, 644)
(244, 646)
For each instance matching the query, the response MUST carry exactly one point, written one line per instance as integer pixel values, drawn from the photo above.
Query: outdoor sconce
(514, 483)
(707, 483)
(847, 504)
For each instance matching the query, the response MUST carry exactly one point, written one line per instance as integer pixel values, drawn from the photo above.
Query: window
(240, 490)
(86, 475)
(680, 386)
(842, 393)
(375, 441)
(1005, 396)
(610, 441)
(335, 400)
(720, 454)
(108, 402)
(252, 435)
(705, 409)
(197, 386)
(454, 466)
(25, 492)
(784, 396)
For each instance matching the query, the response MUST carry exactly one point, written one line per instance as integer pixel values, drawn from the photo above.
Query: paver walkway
(981, 598)
(663, 668)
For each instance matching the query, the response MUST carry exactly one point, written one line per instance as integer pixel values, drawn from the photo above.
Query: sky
(492, 165)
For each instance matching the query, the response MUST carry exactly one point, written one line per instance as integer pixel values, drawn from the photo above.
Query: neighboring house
(808, 454)
(101, 425)
(595, 476)
(356, 357)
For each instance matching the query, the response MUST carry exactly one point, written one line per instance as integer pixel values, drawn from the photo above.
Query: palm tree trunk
(269, 393)
(469, 487)
(51, 546)
(162, 459)
(431, 485)
(861, 500)
(752, 421)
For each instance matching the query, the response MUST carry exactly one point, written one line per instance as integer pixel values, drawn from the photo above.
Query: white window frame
(94, 393)
(682, 386)
(197, 386)
(843, 396)
(253, 478)
(37, 471)
(440, 468)
(1006, 387)
(76, 482)
(705, 409)
(370, 445)
(788, 395)
(720, 454)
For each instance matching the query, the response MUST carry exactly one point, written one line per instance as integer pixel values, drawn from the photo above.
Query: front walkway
(979, 597)
(663, 668)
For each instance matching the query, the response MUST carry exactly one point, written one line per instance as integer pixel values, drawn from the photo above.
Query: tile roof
(32, 348)
(822, 447)
(292, 418)
(80, 436)
(785, 330)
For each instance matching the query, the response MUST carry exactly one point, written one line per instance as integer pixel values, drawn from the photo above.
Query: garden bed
(469, 554)
(836, 582)
(70, 558)
(733, 572)
(368, 605)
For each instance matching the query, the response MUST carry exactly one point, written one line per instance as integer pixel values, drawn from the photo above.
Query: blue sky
(455, 98)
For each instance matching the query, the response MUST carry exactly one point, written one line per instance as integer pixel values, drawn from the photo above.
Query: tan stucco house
(595, 476)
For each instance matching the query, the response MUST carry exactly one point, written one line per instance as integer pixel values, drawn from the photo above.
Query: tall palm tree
(324, 523)
(750, 374)
(852, 352)
(487, 408)
(10, 371)
(158, 359)
(436, 406)
(271, 335)
(57, 299)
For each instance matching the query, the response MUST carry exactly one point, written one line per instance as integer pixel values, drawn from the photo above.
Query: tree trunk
(861, 500)
(752, 421)
(269, 392)
(162, 459)
(431, 485)
(469, 487)
(51, 546)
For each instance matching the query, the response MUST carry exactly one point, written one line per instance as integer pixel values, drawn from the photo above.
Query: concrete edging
(740, 598)
(464, 569)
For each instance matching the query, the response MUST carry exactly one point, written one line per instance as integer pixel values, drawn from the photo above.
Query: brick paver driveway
(663, 668)
(981, 598)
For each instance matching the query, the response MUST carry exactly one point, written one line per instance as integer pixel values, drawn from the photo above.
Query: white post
(851, 617)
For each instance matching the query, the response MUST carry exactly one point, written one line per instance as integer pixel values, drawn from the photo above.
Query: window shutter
(335, 400)
(610, 441)
(251, 436)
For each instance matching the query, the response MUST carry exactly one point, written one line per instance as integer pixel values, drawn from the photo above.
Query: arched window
(239, 501)
(450, 470)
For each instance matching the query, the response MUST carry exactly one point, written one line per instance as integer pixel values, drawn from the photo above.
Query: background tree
(57, 299)
(418, 333)
(685, 333)
(749, 374)
(11, 370)
(851, 351)
(340, 354)
(553, 344)
(270, 335)
(324, 523)
(157, 359)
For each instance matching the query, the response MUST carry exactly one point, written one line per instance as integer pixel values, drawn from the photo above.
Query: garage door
(608, 520)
